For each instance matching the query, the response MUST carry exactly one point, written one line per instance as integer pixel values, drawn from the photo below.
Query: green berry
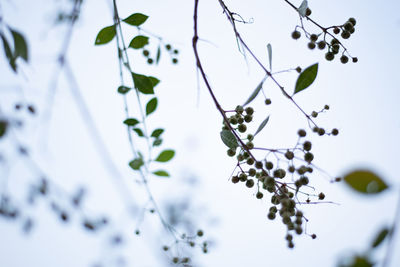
(176, 51)
(243, 177)
(249, 110)
(313, 37)
(165, 248)
(269, 165)
(259, 195)
(231, 152)
(348, 26)
(252, 172)
(345, 34)
(250, 145)
(200, 233)
(242, 128)
(250, 183)
(271, 215)
(304, 180)
(302, 133)
(289, 155)
(321, 45)
(250, 161)
(308, 157)
(335, 48)
(326, 107)
(336, 30)
(235, 179)
(250, 137)
(268, 101)
(239, 109)
(291, 169)
(259, 165)
(353, 21)
(298, 230)
(175, 259)
(248, 118)
(314, 114)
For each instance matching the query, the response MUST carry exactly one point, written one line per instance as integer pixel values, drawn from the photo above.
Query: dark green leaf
(136, 19)
(139, 132)
(131, 121)
(158, 54)
(161, 173)
(154, 81)
(157, 142)
(139, 42)
(151, 106)
(105, 35)
(123, 89)
(165, 156)
(8, 52)
(143, 83)
(262, 125)
(365, 182)
(255, 92)
(269, 48)
(229, 139)
(380, 237)
(3, 127)
(306, 78)
(136, 163)
(157, 132)
(20, 46)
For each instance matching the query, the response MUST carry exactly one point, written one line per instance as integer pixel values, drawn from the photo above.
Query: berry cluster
(328, 40)
(172, 51)
(284, 173)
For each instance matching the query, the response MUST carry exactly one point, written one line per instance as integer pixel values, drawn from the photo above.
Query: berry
(289, 237)
(250, 161)
(239, 109)
(345, 34)
(348, 26)
(321, 196)
(269, 165)
(321, 45)
(304, 180)
(326, 107)
(235, 179)
(250, 137)
(291, 169)
(308, 11)
(252, 172)
(313, 236)
(329, 56)
(307, 145)
(290, 245)
(259, 165)
(168, 47)
(302, 133)
(352, 21)
(250, 145)
(259, 195)
(335, 48)
(243, 177)
(344, 59)
(175, 60)
(176, 51)
(289, 155)
(249, 110)
(231, 152)
(313, 37)
(355, 60)
(335, 131)
(268, 101)
(200, 233)
(242, 128)
(321, 131)
(314, 114)
(308, 157)
(271, 215)
(146, 53)
(299, 230)
(298, 69)
(336, 30)
(250, 183)
(175, 259)
(311, 45)
(296, 35)
(248, 118)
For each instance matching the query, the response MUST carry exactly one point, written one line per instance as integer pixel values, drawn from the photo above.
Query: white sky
(364, 105)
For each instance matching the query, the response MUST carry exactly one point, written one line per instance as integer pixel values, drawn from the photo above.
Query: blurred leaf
(161, 173)
(380, 237)
(3, 127)
(269, 48)
(229, 139)
(123, 89)
(165, 156)
(136, 163)
(158, 54)
(151, 106)
(262, 125)
(143, 83)
(136, 19)
(131, 121)
(139, 42)
(157, 132)
(20, 46)
(302, 8)
(138, 131)
(105, 35)
(365, 182)
(255, 92)
(306, 78)
(8, 53)
(157, 142)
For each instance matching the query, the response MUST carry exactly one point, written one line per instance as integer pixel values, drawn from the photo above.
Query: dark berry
(296, 35)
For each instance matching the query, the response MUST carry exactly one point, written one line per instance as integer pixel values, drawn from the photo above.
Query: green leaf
(139, 42)
(269, 48)
(306, 78)
(136, 163)
(255, 92)
(105, 35)
(229, 139)
(151, 106)
(161, 173)
(3, 127)
(157, 132)
(9, 54)
(157, 142)
(123, 89)
(165, 156)
(262, 125)
(136, 19)
(138, 131)
(20, 46)
(158, 54)
(380, 237)
(365, 182)
(143, 83)
(154, 81)
(131, 121)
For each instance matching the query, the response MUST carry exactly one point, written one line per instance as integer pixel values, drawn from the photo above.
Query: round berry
(308, 11)
(308, 157)
(336, 30)
(307, 145)
(313, 37)
(321, 45)
(321, 196)
(175, 60)
(252, 172)
(326, 107)
(250, 145)
(231, 152)
(296, 35)
(242, 128)
(314, 114)
(348, 26)
(321, 131)
(250, 183)
(268, 101)
(271, 215)
(355, 60)
(302, 133)
(235, 179)
(313, 236)
(200, 233)
(344, 59)
(311, 45)
(259, 195)
(250, 137)
(353, 21)
(345, 34)
(269, 165)
(298, 69)
(329, 56)
(289, 155)
(250, 161)
(248, 118)
(168, 47)
(335, 131)
(239, 109)
(146, 53)
(249, 110)
(176, 51)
